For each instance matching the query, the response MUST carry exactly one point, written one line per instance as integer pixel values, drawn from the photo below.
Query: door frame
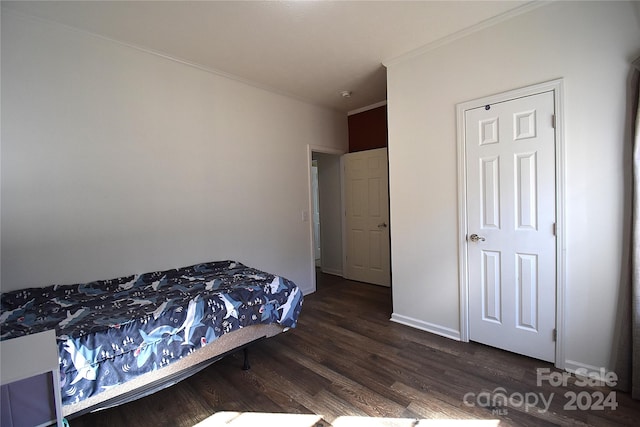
(312, 250)
(555, 86)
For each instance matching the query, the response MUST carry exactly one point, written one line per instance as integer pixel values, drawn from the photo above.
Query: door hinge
(555, 335)
(553, 121)
(555, 229)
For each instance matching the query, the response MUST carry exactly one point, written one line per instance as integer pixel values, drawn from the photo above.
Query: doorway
(510, 184)
(325, 203)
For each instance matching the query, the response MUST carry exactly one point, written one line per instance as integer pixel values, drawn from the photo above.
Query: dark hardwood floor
(346, 359)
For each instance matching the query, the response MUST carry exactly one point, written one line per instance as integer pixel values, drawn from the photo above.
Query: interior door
(366, 183)
(511, 215)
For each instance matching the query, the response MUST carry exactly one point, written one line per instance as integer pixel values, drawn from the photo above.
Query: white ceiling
(311, 50)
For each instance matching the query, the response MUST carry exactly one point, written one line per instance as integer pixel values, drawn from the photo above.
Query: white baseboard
(332, 271)
(307, 290)
(426, 326)
(597, 372)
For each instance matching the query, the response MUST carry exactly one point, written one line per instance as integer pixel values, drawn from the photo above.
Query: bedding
(112, 331)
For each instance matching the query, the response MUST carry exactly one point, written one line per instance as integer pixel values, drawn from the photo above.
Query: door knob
(382, 225)
(476, 238)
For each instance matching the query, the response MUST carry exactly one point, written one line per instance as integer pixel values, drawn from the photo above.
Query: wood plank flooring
(347, 365)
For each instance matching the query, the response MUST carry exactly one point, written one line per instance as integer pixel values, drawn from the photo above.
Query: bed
(125, 338)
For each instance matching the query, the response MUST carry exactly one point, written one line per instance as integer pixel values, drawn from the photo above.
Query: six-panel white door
(510, 169)
(366, 183)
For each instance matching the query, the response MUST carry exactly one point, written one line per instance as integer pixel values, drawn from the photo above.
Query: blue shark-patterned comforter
(111, 331)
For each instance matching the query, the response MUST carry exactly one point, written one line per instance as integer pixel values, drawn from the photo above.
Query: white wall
(115, 161)
(590, 46)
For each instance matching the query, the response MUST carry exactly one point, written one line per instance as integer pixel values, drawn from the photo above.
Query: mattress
(112, 331)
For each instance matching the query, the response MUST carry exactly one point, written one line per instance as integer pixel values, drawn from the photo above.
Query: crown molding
(8, 11)
(487, 23)
(366, 108)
